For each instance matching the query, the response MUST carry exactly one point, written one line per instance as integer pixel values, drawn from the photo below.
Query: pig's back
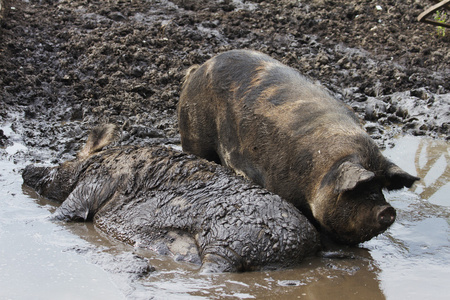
(255, 85)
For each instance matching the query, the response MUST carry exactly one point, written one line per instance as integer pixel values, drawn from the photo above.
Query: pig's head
(350, 206)
(54, 183)
(57, 182)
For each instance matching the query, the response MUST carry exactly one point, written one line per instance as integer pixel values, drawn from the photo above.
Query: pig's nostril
(386, 215)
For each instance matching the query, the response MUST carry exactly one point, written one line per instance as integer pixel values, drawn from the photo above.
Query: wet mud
(66, 66)
(69, 65)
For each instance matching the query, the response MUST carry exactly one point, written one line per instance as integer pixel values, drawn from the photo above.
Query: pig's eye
(372, 190)
(375, 195)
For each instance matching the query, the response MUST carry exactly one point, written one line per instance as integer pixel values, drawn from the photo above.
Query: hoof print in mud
(155, 196)
(274, 126)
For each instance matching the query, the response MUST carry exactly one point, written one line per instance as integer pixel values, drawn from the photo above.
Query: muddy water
(41, 259)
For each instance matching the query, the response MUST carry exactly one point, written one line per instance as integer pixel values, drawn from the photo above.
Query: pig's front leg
(86, 199)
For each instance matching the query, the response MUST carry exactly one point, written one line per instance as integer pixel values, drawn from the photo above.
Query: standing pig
(274, 126)
(159, 198)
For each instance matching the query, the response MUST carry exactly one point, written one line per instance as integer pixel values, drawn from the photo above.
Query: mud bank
(70, 65)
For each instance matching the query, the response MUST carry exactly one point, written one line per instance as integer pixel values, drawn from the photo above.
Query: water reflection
(429, 159)
(432, 162)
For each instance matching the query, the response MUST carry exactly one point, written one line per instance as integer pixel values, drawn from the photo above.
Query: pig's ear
(398, 179)
(350, 175)
(99, 138)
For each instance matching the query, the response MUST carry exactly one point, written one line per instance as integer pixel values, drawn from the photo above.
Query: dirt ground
(68, 65)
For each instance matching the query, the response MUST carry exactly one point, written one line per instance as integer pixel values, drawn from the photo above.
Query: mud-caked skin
(271, 124)
(160, 198)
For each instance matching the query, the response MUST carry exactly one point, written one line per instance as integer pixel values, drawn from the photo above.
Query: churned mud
(66, 66)
(69, 65)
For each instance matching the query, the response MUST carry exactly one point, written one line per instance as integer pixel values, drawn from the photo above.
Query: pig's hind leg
(214, 263)
(218, 257)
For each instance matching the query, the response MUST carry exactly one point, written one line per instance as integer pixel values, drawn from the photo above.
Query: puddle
(17, 144)
(41, 259)
(414, 255)
(35, 262)
(428, 159)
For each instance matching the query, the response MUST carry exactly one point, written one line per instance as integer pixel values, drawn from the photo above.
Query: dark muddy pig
(274, 126)
(173, 202)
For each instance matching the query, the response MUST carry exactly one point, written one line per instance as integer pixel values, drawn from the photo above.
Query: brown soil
(68, 65)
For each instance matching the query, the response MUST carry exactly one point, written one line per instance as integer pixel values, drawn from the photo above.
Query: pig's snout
(386, 216)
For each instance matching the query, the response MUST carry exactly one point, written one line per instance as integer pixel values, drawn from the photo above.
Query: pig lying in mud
(272, 125)
(163, 199)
